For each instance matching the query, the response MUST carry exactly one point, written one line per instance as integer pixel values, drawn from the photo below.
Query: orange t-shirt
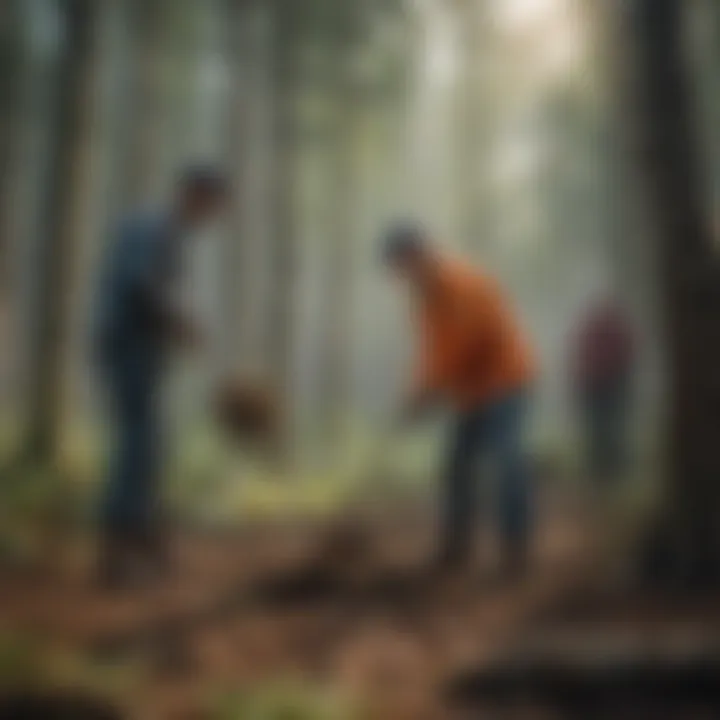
(472, 347)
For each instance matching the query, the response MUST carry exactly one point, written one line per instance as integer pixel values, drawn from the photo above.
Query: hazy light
(214, 74)
(549, 30)
(517, 158)
(440, 50)
(521, 15)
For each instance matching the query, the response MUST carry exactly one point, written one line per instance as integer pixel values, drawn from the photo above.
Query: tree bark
(12, 57)
(347, 110)
(141, 144)
(253, 212)
(712, 64)
(473, 126)
(691, 295)
(68, 123)
(238, 17)
(284, 248)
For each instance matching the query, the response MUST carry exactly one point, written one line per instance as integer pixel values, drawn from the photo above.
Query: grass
(212, 482)
(27, 663)
(208, 481)
(284, 700)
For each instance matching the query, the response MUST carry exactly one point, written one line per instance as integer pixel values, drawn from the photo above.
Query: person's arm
(436, 358)
(428, 372)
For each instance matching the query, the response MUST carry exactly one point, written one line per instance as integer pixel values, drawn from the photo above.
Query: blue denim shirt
(143, 256)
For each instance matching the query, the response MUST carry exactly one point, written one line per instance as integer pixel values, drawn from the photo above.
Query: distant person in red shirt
(604, 368)
(474, 356)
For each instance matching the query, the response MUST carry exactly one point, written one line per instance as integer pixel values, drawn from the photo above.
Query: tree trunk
(713, 89)
(239, 16)
(12, 57)
(473, 127)
(142, 141)
(343, 196)
(691, 294)
(74, 71)
(284, 243)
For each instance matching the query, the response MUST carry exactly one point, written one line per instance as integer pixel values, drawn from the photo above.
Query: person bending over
(474, 356)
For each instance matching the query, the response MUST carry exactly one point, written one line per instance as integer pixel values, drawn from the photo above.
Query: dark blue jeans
(492, 432)
(131, 493)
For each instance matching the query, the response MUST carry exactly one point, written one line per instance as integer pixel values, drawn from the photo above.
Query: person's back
(605, 348)
(140, 256)
(474, 345)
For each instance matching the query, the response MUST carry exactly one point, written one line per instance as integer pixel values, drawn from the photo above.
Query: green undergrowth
(28, 664)
(284, 700)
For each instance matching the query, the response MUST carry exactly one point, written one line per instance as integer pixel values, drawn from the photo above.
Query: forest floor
(295, 620)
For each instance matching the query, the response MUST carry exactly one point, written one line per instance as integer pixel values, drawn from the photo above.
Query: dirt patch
(360, 613)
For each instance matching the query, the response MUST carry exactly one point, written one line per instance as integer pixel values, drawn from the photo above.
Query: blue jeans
(131, 494)
(493, 432)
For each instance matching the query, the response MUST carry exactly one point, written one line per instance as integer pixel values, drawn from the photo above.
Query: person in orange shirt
(474, 356)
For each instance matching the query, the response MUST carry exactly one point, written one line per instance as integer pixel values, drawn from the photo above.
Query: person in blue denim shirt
(138, 323)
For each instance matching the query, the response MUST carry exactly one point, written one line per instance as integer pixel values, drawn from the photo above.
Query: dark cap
(403, 239)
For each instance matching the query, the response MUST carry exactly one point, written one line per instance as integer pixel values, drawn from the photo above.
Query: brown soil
(357, 609)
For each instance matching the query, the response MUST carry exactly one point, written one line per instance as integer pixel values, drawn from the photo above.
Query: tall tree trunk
(284, 245)
(473, 125)
(239, 16)
(12, 57)
(74, 71)
(691, 293)
(343, 201)
(712, 88)
(249, 138)
(142, 141)
(627, 239)
(94, 194)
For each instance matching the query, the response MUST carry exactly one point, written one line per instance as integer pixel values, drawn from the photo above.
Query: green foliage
(284, 701)
(27, 663)
(20, 662)
(42, 506)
